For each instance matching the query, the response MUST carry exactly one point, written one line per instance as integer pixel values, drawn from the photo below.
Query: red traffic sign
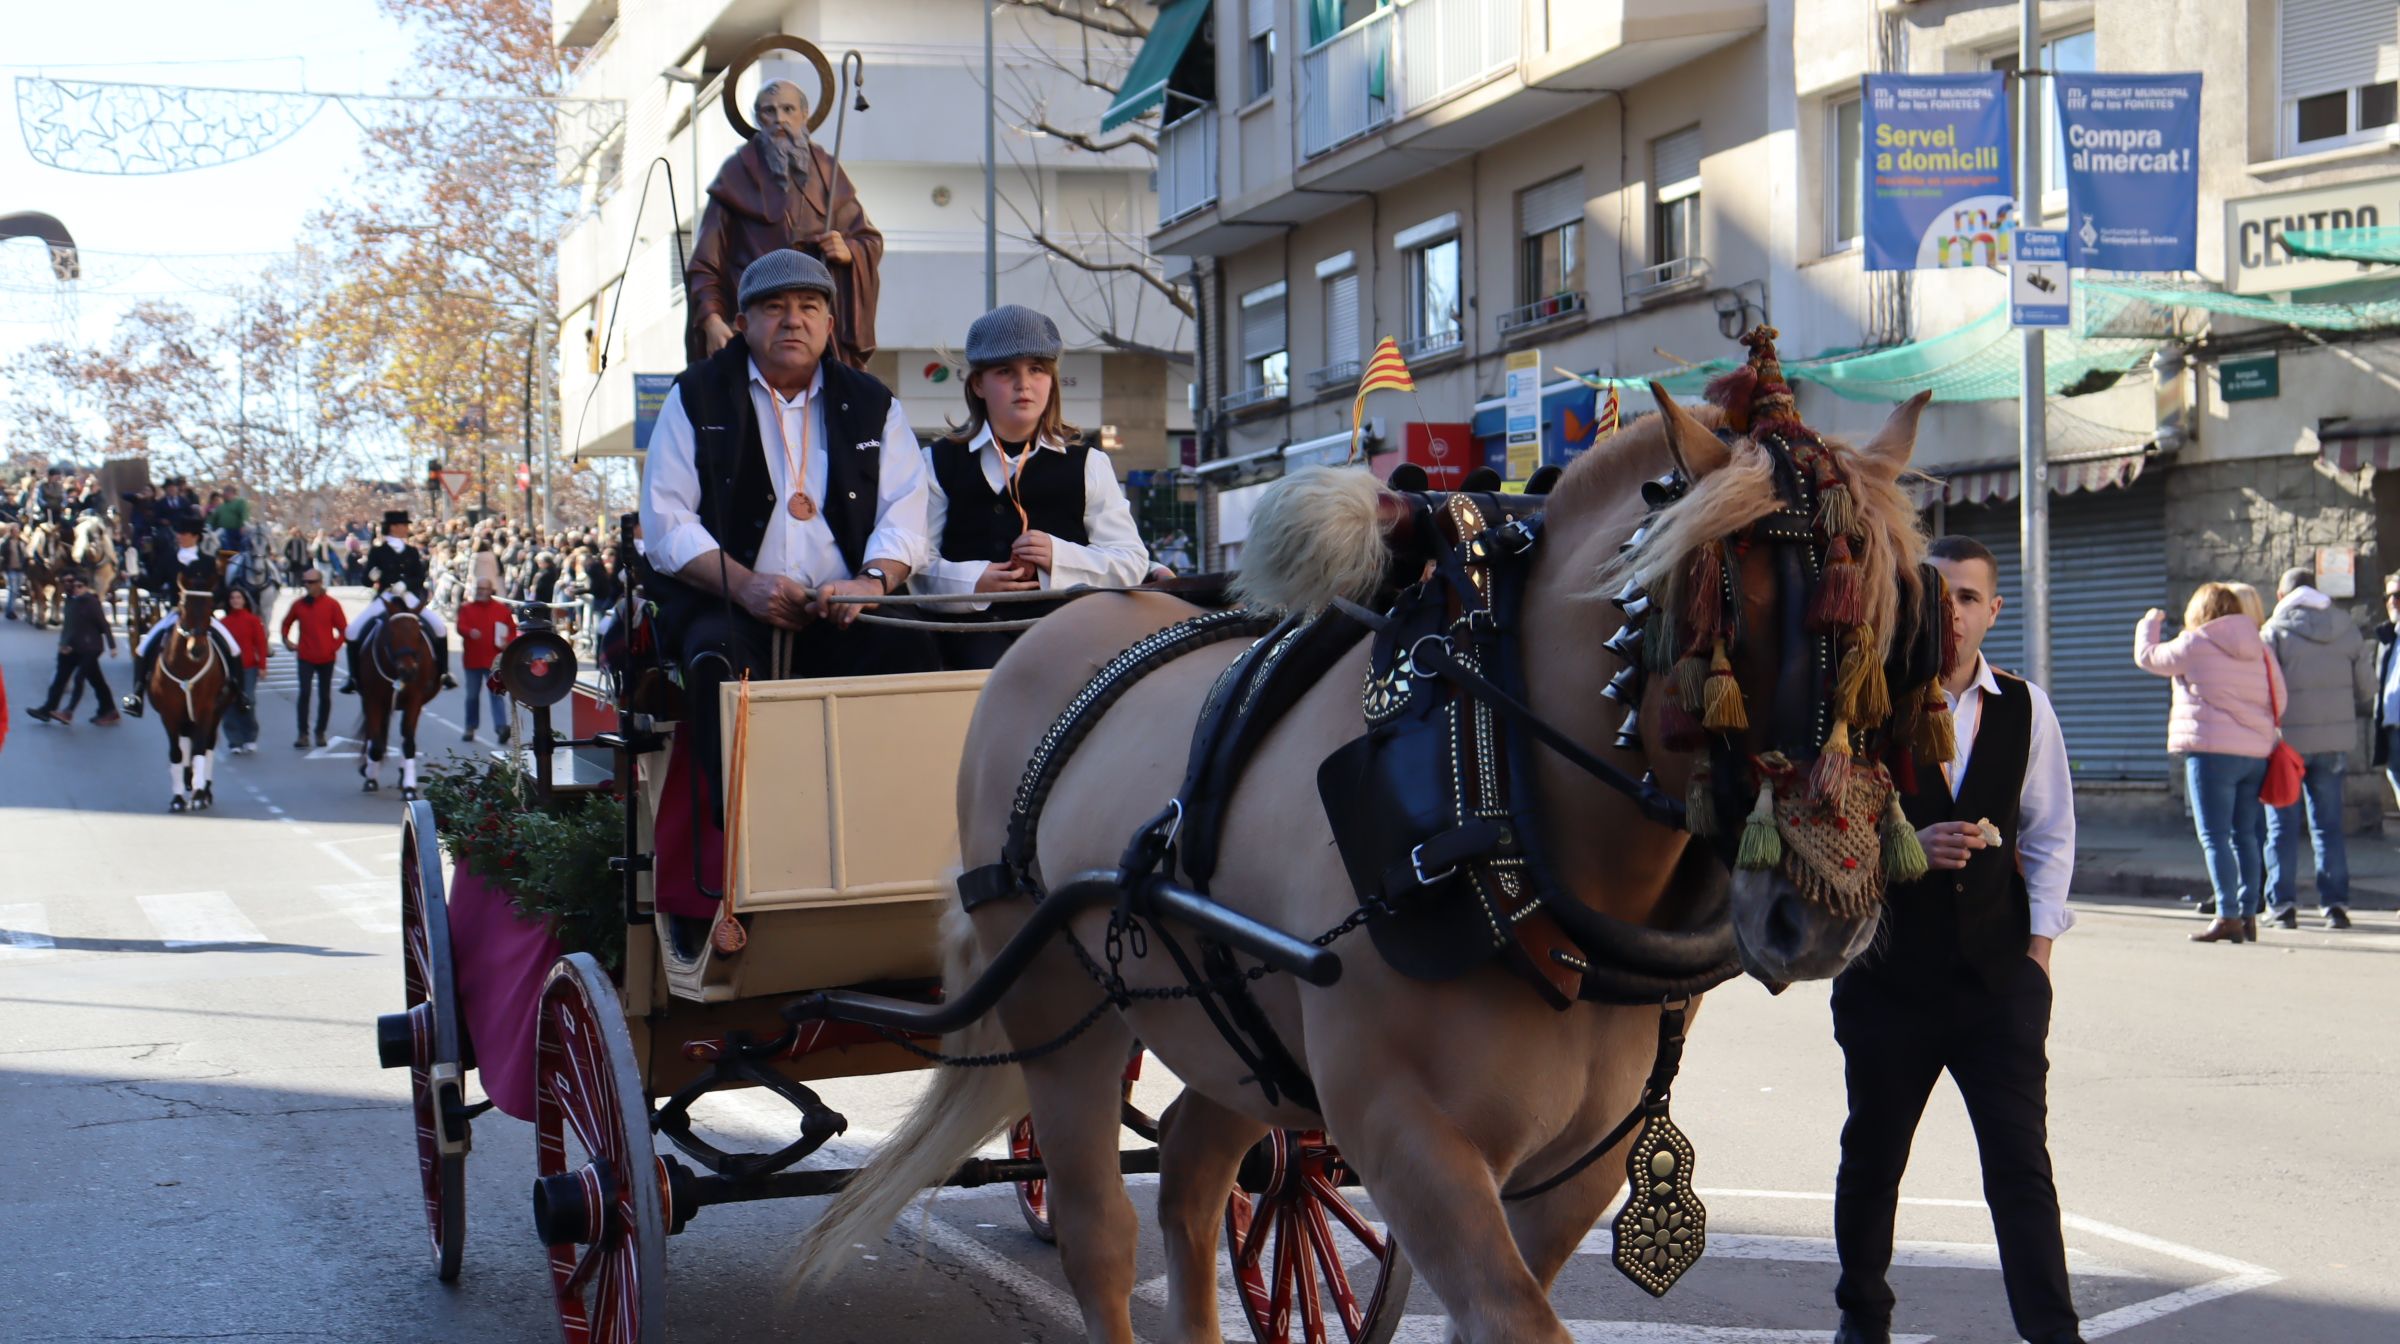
(454, 484)
(524, 476)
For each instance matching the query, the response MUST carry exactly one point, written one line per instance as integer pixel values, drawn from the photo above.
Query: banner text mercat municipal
(1902, 150)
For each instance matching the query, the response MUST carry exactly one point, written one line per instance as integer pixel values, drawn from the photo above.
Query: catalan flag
(1607, 424)
(1385, 369)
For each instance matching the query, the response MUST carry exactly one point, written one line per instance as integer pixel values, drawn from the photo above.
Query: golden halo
(779, 42)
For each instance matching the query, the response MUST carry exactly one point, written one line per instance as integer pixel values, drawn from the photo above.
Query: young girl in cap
(1018, 500)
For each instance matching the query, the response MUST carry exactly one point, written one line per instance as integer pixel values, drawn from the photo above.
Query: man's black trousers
(87, 666)
(1897, 1039)
(320, 675)
(718, 645)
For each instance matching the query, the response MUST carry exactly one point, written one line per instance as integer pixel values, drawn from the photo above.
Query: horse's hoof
(407, 794)
(175, 804)
(371, 786)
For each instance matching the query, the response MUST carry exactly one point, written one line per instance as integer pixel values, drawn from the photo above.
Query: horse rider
(1017, 501)
(393, 561)
(192, 573)
(777, 480)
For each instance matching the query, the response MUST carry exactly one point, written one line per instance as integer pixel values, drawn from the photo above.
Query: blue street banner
(649, 397)
(2039, 292)
(1936, 176)
(2133, 170)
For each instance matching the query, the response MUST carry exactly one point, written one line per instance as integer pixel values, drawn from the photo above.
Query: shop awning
(2361, 443)
(1145, 83)
(1997, 482)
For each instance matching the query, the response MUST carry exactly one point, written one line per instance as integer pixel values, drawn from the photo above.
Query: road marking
(1436, 1330)
(1905, 1254)
(199, 919)
(1029, 1287)
(24, 932)
(373, 906)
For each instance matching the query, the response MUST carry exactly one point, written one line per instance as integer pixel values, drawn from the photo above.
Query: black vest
(737, 495)
(1974, 920)
(405, 567)
(982, 522)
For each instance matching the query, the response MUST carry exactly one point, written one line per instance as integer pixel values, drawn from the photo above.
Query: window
(1675, 208)
(2076, 53)
(1431, 275)
(1550, 247)
(1341, 318)
(1841, 174)
(1266, 363)
(1259, 55)
(2339, 73)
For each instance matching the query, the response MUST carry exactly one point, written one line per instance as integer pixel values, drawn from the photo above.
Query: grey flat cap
(780, 270)
(1012, 331)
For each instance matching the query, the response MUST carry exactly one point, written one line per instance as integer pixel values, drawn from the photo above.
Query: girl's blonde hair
(1052, 425)
(2210, 601)
(2253, 606)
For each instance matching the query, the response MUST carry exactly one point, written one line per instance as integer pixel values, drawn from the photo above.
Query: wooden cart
(830, 893)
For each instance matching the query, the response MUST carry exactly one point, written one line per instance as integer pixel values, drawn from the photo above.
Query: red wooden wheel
(1310, 1266)
(1033, 1197)
(436, 1081)
(600, 1197)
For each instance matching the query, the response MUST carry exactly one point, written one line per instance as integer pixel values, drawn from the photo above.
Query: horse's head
(404, 651)
(194, 611)
(1788, 657)
(91, 540)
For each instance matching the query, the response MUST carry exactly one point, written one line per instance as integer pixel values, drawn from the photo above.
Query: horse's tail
(963, 1110)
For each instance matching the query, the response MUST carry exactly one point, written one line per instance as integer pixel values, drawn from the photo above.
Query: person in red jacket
(321, 623)
(250, 634)
(486, 626)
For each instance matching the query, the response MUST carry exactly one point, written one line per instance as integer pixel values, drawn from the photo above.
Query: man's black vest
(737, 495)
(1974, 920)
(405, 567)
(982, 522)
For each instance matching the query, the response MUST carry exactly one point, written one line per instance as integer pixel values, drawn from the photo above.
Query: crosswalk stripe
(373, 906)
(1436, 1329)
(199, 919)
(1905, 1254)
(24, 931)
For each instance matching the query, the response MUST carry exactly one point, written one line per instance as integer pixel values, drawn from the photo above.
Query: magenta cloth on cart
(502, 958)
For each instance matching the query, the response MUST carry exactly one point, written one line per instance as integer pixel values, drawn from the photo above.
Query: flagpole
(2033, 430)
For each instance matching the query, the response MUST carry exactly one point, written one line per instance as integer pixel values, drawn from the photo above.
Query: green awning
(1145, 85)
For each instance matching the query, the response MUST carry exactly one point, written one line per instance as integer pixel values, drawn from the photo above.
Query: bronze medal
(801, 506)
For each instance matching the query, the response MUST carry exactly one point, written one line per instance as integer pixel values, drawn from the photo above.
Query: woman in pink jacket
(2223, 725)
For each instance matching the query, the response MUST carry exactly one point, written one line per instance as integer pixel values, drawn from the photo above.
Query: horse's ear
(1887, 453)
(1696, 449)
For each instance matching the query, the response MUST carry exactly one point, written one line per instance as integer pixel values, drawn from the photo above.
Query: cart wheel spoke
(1300, 1244)
(1033, 1197)
(612, 1290)
(437, 1045)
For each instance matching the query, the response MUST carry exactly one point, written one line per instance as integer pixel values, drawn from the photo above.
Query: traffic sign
(454, 484)
(524, 476)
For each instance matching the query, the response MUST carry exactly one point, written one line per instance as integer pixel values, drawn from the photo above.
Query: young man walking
(1962, 983)
(484, 628)
(321, 623)
(82, 633)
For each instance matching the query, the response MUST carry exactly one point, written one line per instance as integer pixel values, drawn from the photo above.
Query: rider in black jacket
(190, 572)
(393, 561)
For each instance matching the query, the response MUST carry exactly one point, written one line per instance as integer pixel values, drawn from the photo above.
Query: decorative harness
(207, 639)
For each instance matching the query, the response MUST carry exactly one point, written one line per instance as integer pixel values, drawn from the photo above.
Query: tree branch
(1122, 24)
(1138, 269)
(1083, 140)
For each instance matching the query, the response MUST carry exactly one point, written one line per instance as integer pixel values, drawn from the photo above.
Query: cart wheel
(1033, 1197)
(599, 1198)
(431, 1040)
(1296, 1241)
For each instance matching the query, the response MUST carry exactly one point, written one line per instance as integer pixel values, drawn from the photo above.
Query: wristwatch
(876, 573)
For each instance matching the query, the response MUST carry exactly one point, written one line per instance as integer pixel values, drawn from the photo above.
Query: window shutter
(1262, 327)
(1341, 318)
(1675, 164)
(1262, 16)
(1554, 204)
(2338, 44)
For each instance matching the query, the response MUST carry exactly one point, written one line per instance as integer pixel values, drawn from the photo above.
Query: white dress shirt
(1114, 556)
(2045, 802)
(804, 552)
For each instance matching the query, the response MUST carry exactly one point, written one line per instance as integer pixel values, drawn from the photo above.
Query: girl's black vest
(982, 522)
(1973, 921)
(737, 495)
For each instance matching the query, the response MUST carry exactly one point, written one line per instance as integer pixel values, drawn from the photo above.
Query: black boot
(441, 659)
(141, 683)
(349, 684)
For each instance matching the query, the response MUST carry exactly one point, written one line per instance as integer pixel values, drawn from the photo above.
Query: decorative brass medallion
(1663, 1227)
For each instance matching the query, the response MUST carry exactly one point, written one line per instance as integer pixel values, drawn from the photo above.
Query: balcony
(1541, 313)
(1667, 277)
(1418, 349)
(1187, 164)
(1333, 376)
(1399, 61)
(1252, 398)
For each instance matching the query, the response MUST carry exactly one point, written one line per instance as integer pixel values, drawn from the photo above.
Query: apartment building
(916, 157)
(1623, 186)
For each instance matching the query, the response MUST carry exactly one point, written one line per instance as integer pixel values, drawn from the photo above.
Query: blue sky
(250, 207)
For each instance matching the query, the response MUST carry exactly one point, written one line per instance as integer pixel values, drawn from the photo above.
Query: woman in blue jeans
(2224, 675)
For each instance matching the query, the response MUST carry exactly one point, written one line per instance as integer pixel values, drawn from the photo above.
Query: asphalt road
(201, 1147)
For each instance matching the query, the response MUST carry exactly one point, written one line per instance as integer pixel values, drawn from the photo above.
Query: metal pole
(533, 337)
(2033, 431)
(991, 174)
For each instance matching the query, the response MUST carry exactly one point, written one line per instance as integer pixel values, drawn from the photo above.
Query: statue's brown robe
(750, 214)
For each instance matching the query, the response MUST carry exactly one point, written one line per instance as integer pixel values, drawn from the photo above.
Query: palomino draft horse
(95, 553)
(48, 557)
(397, 671)
(192, 687)
(1474, 1109)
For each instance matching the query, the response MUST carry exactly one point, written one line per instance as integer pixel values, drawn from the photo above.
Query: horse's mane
(1888, 538)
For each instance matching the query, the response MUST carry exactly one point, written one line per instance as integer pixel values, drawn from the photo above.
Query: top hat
(394, 518)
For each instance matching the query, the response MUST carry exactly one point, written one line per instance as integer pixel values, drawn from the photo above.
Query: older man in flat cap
(779, 479)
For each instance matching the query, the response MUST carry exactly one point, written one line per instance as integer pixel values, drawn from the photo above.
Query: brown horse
(397, 671)
(191, 686)
(47, 560)
(1441, 1094)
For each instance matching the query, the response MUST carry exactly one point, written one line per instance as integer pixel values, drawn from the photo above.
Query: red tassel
(1841, 600)
(1704, 611)
(1681, 730)
(1731, 391)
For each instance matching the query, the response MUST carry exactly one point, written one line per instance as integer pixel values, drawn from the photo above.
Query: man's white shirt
(803, 551)
(1114, 556)
(2045, 803)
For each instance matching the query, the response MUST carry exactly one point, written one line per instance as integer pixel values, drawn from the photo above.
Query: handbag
(2281, 788)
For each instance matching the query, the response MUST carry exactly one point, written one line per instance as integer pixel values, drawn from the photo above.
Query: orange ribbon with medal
(800, 506)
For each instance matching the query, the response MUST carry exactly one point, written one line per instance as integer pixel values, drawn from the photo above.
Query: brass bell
(1626, 643)
(1626, 687)
(1631, 592)
(1638, 608)
(1629, 733)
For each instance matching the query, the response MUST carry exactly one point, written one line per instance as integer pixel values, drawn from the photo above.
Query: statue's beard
(788, 155)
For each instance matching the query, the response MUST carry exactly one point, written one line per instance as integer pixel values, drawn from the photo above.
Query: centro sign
(2255, 259)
